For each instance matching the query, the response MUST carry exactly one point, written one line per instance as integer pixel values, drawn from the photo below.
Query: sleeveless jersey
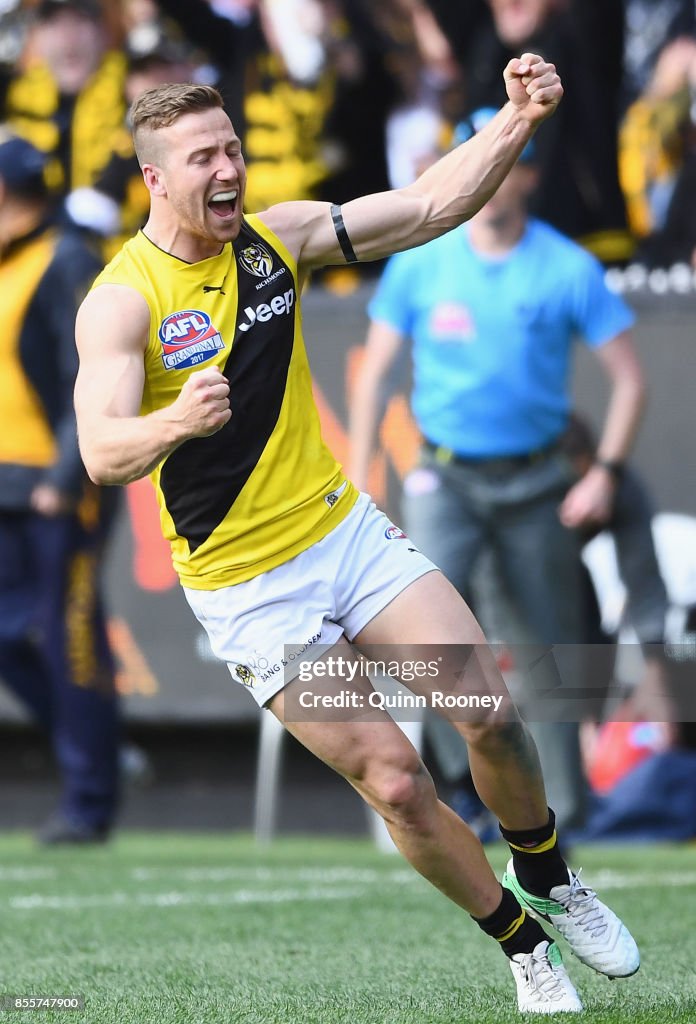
(265, 487)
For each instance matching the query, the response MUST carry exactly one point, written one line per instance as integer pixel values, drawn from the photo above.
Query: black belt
(447, 456)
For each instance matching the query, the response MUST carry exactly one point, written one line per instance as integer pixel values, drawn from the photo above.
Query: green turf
(207, 929)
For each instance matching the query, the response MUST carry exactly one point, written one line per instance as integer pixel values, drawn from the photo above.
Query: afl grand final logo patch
(188, 338)
(256, 260)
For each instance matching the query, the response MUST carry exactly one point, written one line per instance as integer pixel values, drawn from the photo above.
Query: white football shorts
(263, 628)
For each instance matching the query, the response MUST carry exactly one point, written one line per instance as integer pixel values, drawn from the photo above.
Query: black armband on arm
(342, 234)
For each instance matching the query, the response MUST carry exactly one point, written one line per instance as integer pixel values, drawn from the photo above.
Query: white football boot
(543, 985)
(595, 934)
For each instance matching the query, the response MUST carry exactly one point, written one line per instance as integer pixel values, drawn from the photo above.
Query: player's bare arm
(448, 193)
(117, 444)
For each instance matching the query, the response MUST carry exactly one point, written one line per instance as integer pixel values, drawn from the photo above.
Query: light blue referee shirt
(492, 338)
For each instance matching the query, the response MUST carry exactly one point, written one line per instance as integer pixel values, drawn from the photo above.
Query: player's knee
(398, 790)
(405, 792)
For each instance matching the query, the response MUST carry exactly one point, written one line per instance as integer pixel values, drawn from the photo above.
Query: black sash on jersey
(202, 479)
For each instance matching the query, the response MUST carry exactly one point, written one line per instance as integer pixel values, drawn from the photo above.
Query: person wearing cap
(54, 654)
(69, 102)
(492, 310)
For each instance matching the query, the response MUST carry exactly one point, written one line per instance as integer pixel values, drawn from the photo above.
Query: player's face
(203, 175)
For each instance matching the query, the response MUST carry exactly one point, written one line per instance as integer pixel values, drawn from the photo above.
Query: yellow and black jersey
(264, 487)
(43, 278)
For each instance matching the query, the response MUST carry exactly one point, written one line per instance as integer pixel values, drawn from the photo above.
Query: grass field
(208, 929)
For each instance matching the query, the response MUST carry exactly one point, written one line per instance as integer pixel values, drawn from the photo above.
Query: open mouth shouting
(224, 204)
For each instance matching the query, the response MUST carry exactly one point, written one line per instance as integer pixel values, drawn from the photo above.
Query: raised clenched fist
(533, 86)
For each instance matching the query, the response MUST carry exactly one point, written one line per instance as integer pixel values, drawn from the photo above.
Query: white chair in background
(674, 536)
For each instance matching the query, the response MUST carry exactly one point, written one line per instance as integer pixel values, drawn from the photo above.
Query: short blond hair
(162, 107)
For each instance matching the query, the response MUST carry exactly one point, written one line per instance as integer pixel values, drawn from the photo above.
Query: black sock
(512, 926)
(535, 855)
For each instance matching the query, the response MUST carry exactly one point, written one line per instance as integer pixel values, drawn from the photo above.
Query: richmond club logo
(244, 674)
(256, 260)
(188, 338)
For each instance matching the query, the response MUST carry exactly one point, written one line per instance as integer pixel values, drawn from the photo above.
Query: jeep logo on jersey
(280, 305)
(256, 260)
(188, 338)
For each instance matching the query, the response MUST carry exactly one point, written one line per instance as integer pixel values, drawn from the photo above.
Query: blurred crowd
(338, 98)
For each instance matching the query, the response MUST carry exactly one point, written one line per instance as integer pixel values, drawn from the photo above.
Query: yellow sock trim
(509, 932)
(541, 848)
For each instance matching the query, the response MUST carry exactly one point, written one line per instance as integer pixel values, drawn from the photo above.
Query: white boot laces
(539, 976)
(580, 903)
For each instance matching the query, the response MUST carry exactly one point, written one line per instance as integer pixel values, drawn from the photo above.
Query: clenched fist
(203, 405)
(533, 86)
